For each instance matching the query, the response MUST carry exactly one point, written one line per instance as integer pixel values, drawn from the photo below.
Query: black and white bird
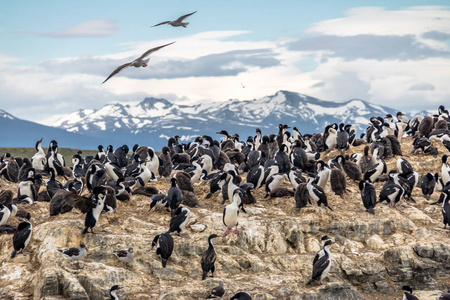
(178, 22)
(5, 213)
(323, 174)
(445, 198)
(256, 176)
(164, 247)
(323, 265)
(209, 258)
(317, 194)
(179, 219)
(445, 169)
(368, 196)
(408, 293)
(26, 187)
(159, 202)
(75, 253)
(94, 208)
(125, 256)
(321, 252)
(231, 212)
(428, 185)
(217, 292)
(374, 172)
(241, 296)
(274, 182)
(391, 192)
(21, 237)
(113, 292)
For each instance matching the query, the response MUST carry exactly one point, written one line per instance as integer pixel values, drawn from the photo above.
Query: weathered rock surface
(271, 257)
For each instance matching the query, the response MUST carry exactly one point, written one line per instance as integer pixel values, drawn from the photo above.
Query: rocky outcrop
(271, 257)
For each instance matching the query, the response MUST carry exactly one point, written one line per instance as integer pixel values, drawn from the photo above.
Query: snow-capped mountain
(153, 120)
(21, 133)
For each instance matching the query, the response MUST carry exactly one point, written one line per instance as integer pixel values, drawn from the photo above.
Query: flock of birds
(268, 160)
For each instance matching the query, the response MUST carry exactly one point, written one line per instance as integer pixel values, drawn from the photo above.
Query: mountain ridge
(153, 120)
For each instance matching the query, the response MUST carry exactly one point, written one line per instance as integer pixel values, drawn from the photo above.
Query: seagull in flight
(138, 62)
(178, 22)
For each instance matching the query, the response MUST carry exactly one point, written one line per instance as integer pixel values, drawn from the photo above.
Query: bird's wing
(148, 52)
(185, 16)
(20, 236)
(162, 23)
(71, 251)
(176, 221)
(117, 70)
(321, 264)
(121, 253)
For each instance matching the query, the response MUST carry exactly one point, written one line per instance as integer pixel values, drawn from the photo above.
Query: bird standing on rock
(209, 258)
(165, 246)
(75, 254)
(323, 265)
(21, 237)
(125, 256)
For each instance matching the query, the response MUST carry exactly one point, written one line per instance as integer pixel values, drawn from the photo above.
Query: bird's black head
(407, 288)
(116, 287)
(82, 245)
(213, 236)
(362, 184)
(325, 237)
(130, 250)
(173, 181)
(328, 243)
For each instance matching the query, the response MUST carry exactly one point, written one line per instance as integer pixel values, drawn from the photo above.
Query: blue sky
(55, 54)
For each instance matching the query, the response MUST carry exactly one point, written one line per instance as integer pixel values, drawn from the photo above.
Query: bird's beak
(120, 287)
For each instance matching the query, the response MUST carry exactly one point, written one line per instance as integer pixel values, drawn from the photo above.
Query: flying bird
(138, 62)
(178, 22)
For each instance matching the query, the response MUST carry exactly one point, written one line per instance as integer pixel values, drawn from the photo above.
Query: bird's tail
(310, 281)
(371, 210)
(164, 262)
(204, 276)
(13, 254)
(85, 230)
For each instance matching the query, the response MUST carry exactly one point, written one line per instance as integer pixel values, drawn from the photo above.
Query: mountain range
(152, 121)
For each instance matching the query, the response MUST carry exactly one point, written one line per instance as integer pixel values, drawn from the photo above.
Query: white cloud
(91, 28)
(67, 84)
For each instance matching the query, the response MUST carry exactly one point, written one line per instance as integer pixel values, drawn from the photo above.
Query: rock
(197, 227)
(375, 242)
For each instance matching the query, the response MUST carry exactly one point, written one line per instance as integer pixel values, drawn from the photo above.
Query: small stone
(375, 242)
(197, 227)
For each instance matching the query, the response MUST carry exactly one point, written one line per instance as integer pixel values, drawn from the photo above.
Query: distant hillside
(20, 133)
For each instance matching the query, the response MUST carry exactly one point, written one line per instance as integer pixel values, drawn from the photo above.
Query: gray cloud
(369, 46)
(424, 86)
(436, 35)
(221, 64)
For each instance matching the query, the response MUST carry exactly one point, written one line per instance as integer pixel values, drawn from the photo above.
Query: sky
(54, 55)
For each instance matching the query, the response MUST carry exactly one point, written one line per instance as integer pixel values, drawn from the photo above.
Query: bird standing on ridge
(209, 258)
(138, 62)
